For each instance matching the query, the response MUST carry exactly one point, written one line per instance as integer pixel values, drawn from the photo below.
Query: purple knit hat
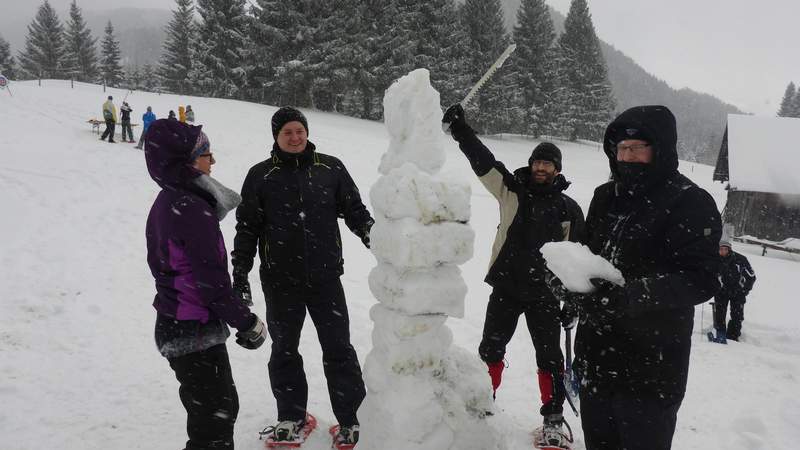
(201, 146)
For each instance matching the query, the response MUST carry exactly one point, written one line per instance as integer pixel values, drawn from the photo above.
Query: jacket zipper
(302, 214)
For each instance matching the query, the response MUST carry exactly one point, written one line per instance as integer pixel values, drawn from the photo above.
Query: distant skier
(171, 115)
(147, 119)
(181, 114)
(661, 231)
(189, 114)
(194, 299)
(533, 211)
(291, 203)
(125, 111)
(737, 279)
(110, 116)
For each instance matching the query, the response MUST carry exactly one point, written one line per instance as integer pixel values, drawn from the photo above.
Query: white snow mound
(574, 264)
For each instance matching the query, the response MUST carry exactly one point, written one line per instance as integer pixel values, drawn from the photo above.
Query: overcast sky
(741, 51)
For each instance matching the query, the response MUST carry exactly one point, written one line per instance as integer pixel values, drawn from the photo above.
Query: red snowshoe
(344, 439)
(288, 433)
(551, 436)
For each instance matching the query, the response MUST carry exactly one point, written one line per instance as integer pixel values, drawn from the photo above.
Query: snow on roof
(764, 154)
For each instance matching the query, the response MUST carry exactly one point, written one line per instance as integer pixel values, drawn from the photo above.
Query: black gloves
(365, 239)
(569, 315)
(608, 298)
(455, 117)
(253, 337)
(241, 287)
(365, 232)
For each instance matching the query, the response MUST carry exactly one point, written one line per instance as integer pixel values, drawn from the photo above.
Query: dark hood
(167, 150)
(655, 124)
(560, 183)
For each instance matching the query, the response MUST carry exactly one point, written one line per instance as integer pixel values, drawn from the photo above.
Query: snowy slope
(78, 365)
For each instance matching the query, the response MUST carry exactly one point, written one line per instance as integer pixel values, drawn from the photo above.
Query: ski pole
(702, 316)
(567, 379)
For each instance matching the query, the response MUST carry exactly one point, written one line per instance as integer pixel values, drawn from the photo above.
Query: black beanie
(546, 152)
(623, 133)
(285, 115)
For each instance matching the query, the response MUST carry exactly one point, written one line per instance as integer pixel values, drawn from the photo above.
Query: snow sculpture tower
(423, 393)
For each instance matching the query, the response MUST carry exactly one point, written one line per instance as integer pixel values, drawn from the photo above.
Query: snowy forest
(341, 55)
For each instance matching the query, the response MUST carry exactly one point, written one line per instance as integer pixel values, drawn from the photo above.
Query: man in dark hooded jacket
(533, 211)
(737, 277)
(633, 341)
(291, 203)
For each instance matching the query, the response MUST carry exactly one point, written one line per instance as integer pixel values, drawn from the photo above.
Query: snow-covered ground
(78, 365)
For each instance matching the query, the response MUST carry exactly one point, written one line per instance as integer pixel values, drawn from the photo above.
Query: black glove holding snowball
(253, 336)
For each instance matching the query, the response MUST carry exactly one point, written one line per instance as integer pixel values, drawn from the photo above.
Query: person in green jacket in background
(110, 116)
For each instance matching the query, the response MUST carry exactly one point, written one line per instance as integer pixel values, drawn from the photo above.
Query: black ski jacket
(737, 277)
(289, 211)
(125, 111)
(663, 235)
(530, 216)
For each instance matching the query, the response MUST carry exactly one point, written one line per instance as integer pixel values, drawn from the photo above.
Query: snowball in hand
(574, 264)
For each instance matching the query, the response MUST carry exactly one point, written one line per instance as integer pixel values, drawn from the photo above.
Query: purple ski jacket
(185, 249)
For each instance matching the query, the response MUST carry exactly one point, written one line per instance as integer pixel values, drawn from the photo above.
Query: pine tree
(429, 35)
(81, 54)
(590, 96)
(385, 62)
(534, 35)
(487, 39)
(6, 60)
(787, 104)
(326, 50)
(281, 32)
(176, 58)
(344, 56)
(794, 111)
(133, 78)
(222, 48)
(44, 46)
(110, 68)
(149, 79)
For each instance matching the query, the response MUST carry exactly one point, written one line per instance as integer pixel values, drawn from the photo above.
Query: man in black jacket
(289, 211)
(125, 111)
(533, 211)
(737, 280)
(633, 341)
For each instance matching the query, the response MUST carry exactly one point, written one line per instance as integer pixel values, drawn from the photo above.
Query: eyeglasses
(208, 155)
(633, 148)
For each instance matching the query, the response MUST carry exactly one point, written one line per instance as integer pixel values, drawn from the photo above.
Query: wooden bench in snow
(97, 123)
(790, 245)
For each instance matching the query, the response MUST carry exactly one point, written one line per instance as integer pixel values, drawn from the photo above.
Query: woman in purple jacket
(194, 300)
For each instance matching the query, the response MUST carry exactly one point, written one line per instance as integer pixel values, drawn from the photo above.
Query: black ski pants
(541, 311)
(734, 328)
(126, 129)
(286, 312)
(109, 131)
(209, 395)
(616, 420)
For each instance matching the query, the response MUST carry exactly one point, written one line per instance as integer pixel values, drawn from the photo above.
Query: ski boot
(551, 435)
(344, 438)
